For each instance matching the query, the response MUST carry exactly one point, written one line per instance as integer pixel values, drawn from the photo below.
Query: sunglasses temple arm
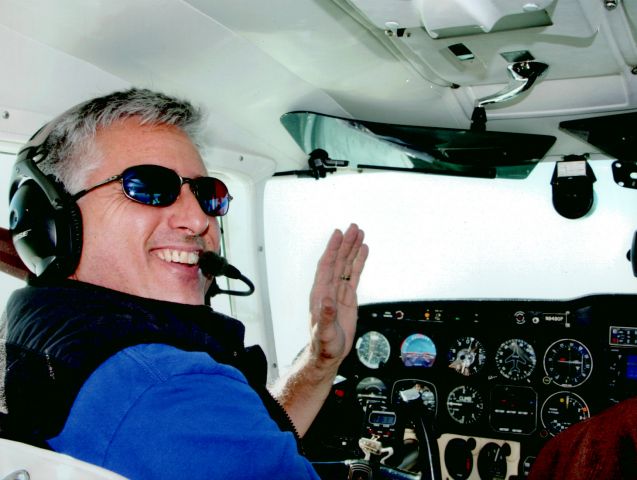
(81, 193)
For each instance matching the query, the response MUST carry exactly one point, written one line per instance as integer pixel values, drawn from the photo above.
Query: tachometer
(465, 404)
(515, 359)
(373, 349)
(467, 356)
(568, 362)
(563, 409)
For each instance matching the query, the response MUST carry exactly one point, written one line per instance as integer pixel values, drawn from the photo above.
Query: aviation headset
(45, 222)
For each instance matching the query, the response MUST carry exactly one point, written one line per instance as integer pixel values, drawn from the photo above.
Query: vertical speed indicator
(465, 404)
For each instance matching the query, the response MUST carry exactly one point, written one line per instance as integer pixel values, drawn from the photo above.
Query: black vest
(57, 335)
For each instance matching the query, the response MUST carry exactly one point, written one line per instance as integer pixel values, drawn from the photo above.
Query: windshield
(443, 237)
(450, 151)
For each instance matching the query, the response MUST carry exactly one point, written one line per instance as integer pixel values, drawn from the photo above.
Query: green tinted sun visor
(445, 151)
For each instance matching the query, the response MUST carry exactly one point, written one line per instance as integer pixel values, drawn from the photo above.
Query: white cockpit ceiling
(251, 61)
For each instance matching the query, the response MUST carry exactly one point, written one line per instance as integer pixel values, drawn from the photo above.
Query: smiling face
(138, 249)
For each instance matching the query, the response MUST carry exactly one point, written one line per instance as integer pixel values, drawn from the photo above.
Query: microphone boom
(214, 265)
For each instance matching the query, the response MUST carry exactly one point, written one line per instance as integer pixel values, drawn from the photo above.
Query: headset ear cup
(45, 220)
(47, 237)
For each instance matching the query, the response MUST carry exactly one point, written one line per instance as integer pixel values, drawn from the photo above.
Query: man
(120, 364)
(601, 447)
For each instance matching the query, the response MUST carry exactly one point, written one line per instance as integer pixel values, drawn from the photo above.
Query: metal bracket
(321, 164)
(625, 173)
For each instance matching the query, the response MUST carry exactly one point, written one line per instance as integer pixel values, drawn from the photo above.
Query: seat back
(19, 461)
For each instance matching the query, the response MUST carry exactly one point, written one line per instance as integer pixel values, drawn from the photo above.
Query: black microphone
(214, 265)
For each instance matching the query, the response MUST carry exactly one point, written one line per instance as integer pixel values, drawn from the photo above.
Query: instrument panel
(489, 381)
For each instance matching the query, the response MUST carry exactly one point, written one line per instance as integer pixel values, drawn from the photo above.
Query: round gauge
(568, 362)
(492, 461)
(418, 350)
(371, 386)
(370, 390)
(415, 392)
(459, 458)
(373, 349)
(467, 356)
(465, 405)
(563, 409)
(515, 359)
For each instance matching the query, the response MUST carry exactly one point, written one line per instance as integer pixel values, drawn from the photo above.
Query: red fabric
(602, 447)
(9, 261)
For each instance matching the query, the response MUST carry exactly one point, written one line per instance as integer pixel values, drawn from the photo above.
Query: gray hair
(72, 153)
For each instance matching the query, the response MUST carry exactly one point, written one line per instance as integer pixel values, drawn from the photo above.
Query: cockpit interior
(487, 149)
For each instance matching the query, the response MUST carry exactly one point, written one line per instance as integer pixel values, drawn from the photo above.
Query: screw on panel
(397, 31)
(610, 4)
(634, 70)
(5, 115)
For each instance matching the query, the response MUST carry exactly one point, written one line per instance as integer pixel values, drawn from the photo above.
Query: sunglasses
(160, 186)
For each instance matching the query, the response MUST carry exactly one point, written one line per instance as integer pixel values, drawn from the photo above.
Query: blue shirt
(154, 411)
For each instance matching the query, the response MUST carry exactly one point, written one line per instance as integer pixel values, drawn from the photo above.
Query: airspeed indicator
(373, 349)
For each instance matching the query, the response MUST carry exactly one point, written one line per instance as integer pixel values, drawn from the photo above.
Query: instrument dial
(515, 359)
(465, 404)
(568, 362)
(418, 350)
(492, 461)
(371, 386)
(459, 458)
(467, 356)
(373, 349)
(563, 409)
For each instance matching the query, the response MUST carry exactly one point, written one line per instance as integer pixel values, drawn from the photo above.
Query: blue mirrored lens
(212, 195)
(151, 185)
(160, 186)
